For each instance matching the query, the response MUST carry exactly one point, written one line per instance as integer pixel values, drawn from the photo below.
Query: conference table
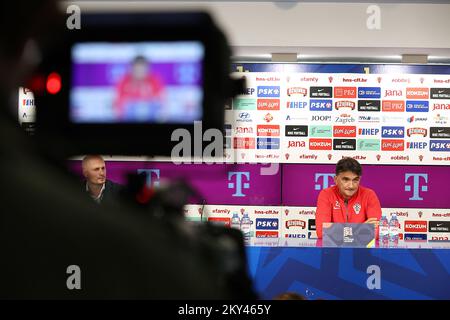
(404, 270)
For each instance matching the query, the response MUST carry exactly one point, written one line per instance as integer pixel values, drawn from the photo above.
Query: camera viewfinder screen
(142, 82)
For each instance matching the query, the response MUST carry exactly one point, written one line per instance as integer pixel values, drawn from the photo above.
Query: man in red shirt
(347, 201)
(140, 94)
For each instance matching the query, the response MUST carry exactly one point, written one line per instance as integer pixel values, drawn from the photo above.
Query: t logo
(416, 184)
(325, 179)
(151, 172)
(238, 185)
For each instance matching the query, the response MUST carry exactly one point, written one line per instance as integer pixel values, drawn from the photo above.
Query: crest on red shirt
(357, 208)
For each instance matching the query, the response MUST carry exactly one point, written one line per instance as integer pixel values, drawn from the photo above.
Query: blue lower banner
(351, 273)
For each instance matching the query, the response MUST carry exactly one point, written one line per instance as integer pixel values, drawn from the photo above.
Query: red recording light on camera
(53, 83)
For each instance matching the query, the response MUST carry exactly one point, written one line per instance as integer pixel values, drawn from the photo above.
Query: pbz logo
(266, 224)
(416, 187)
(392, 132)
(239, 184)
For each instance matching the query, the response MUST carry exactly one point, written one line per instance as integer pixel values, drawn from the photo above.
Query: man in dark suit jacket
(49, 228)
(99, 188)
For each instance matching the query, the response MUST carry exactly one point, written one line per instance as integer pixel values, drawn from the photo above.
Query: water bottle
(246, 225)
(384, 230)
(235, 221)
(394, 228)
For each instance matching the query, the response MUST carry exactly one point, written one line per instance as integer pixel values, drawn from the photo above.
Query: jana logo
(238, 185)
(152, 177)
(326, 178)
(416, 186)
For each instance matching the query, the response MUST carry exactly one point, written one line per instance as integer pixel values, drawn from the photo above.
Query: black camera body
(111, 35)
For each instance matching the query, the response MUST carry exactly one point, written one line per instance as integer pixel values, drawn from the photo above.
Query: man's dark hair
(348, 164)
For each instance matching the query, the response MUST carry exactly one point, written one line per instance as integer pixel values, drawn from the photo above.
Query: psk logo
(239, 183)
(416, 187)
(357, 208)
(152, 177)
(330, 79)
(286, 212)
(325, 180)
(420, 213)
(287, 156)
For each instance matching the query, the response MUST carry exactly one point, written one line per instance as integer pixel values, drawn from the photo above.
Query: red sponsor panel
(266, 234)
(221, 221)
(244, 143)
(267, 130)
(345, 92)
(268, 104)
(320, 144)
(392, 145)
(344, 131)
(393, 105)
(415, 226)
(417, 93)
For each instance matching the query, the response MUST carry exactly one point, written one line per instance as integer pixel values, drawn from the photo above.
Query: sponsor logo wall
(376, 118)
(307, 122)
(283, 205)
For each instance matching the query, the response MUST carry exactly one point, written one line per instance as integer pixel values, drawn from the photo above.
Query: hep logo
(325, 180)
(152, 177)
(238, 185)
(417, 187)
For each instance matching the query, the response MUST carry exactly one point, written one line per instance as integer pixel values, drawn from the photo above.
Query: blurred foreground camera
(124, 82)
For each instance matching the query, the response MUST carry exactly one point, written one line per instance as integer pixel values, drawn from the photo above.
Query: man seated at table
(347, 201)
